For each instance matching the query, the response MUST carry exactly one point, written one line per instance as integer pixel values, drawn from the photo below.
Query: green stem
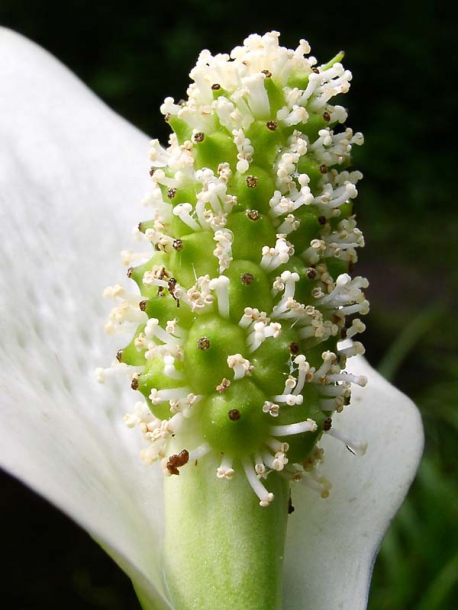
(223, 550)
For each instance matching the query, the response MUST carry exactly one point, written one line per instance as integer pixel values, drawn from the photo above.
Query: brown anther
(175, 461)
(322, 220)
(163, 273)
(142, 305)
(247, 278)
(326, 116)
(203, 344)
(134, 383)
(327, 424)
(294, 348)
(171, 193)
(167, 117)
(199, 136)
(152, 170)
(323, 169)
(234, 414)
(311, 273)
(252, 182)
(272, 125)
(119, 355)
(177, 244)
(129, 272)
(253, 215)
(216, 87)
(315, 70)
(267, 73)
(343, 333)
(171, 284)
(222, 387)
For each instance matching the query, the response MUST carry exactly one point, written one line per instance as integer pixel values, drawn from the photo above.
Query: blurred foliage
(402, 56)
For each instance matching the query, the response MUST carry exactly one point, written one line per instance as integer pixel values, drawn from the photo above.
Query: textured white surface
(71, 176)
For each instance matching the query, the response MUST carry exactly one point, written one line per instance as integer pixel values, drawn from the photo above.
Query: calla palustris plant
(241, 328)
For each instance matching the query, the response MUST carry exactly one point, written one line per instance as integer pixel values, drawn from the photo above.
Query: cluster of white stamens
(196, 195)
(223, 250)
(278, 255)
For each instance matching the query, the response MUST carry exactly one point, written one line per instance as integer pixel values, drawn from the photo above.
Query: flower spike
(259, 164)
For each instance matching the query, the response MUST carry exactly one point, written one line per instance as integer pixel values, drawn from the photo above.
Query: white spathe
(71, 176)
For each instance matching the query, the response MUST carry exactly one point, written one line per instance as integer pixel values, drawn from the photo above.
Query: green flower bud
(245, 293)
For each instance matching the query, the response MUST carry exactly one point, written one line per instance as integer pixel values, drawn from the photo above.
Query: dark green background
(403, 56)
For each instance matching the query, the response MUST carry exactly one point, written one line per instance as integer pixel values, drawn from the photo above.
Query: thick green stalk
(223, 550)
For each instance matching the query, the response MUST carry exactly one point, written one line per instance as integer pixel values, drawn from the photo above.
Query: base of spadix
(222, 550)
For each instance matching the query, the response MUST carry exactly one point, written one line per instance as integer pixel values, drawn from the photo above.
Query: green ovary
(233, 422)
(210, 342)
(194, 259)
(248, 284)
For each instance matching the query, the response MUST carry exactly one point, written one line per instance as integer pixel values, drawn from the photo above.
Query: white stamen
(264, 496)
(128, 257)
(332, 404)
(257, 98)
(290, 429)
(360, 380)
(169, 368)
(117, 369)
(277, 445)
(184, 405)
(240, 365)
(290, 224)
(317, 483)
(357, 326)
(183, 211)
(305, 373)
(356, 349)
(277, 462)
(289, 399)
(329, 358)
(223, 251)
(271, 408)
(354, 446)
(280, 254)
(250, 315)
(225, 470)
(127, 312)
(157, 396)
(152, 329)
(260, 332)
(220, 286)
(199, 452)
